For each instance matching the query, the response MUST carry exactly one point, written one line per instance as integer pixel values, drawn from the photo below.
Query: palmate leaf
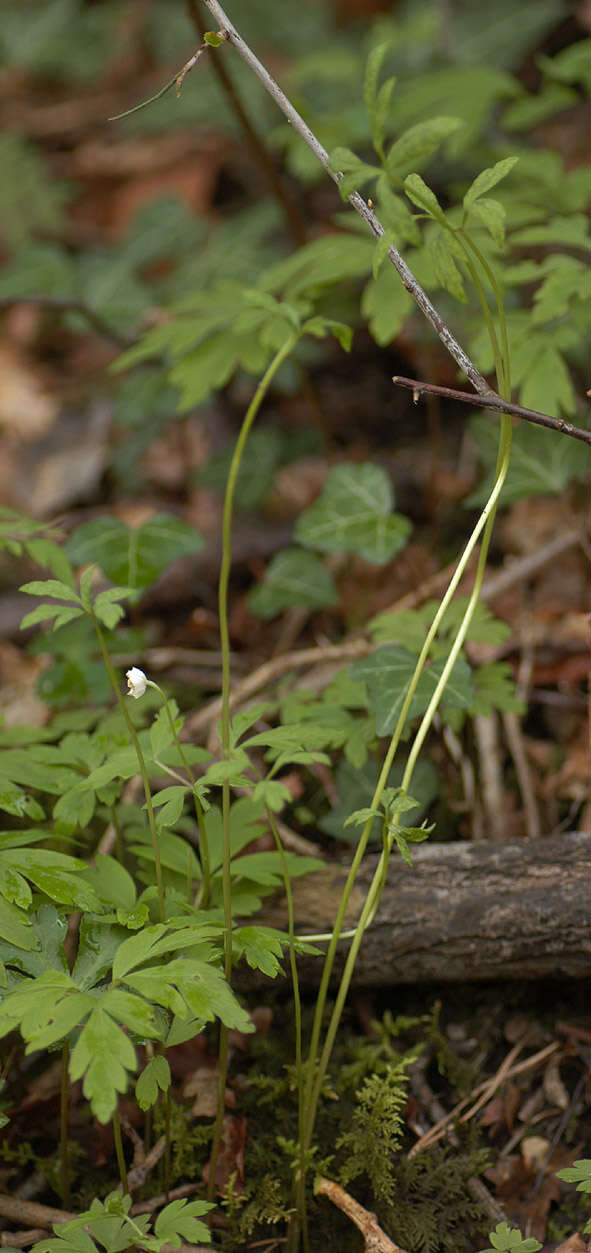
(155, 1078)
(542, 462)
(191, 988)
(356, 788)
(388, 673)
(179, 1221)
(55, 874)
(354, 514)
(134, 557)
(103, 1056)
(293, 578)
(15, 927)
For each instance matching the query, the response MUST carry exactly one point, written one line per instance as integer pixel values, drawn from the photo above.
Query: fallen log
(463, 912)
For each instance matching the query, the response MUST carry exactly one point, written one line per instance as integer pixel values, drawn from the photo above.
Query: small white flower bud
(136, 682)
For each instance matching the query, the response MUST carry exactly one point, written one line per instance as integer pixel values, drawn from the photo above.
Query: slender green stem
(504, 383)
(64, 1162)
(298, 1225)
(224, 581)
(141, 764)
(119, 1152)
(168, 1143)
(119, 848)
(316, 1071)
(200, 816)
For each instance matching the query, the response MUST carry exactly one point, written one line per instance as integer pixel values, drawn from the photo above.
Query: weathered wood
(464, 912)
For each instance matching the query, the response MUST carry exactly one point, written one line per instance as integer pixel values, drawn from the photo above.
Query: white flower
(136, 682)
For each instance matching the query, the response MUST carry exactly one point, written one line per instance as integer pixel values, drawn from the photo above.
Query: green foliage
(432, 1209)
(377, 1128)
(133, 557)
(355, 788)
(108, 1224)
(352, 515)
(147, 962)
(506, 1239)
(293, 578)
(30, 200)
(541, 464)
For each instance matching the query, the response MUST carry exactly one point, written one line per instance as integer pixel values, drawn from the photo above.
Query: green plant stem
(503, 382)
(119, 1151)
(167, 1144)
(200, 816)
(298, 1225)
(224, 580)
(64, 1163)
(141, 763)
(316, 1071)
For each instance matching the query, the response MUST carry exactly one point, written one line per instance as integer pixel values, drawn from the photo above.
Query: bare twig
(376, 1241)
(32, 1213)
(492, 401)
(258, 147)
(507, 1070)
(271, 670)
(177, 81)
(486, 733)
(409, 281)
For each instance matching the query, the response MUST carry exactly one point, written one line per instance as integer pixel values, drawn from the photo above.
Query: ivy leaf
(134, 557)
(542, 462)
(356, 787)
(293, 578)
(388, 673)
(353, 514)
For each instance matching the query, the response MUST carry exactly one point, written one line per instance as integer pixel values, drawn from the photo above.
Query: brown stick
(376, 1241)
(492, 401)
(463, 912)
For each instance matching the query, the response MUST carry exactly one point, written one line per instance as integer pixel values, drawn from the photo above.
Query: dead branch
(376, 1241)
(496, 403)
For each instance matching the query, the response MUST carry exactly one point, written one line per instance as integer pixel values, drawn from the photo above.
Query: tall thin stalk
(224, 580)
